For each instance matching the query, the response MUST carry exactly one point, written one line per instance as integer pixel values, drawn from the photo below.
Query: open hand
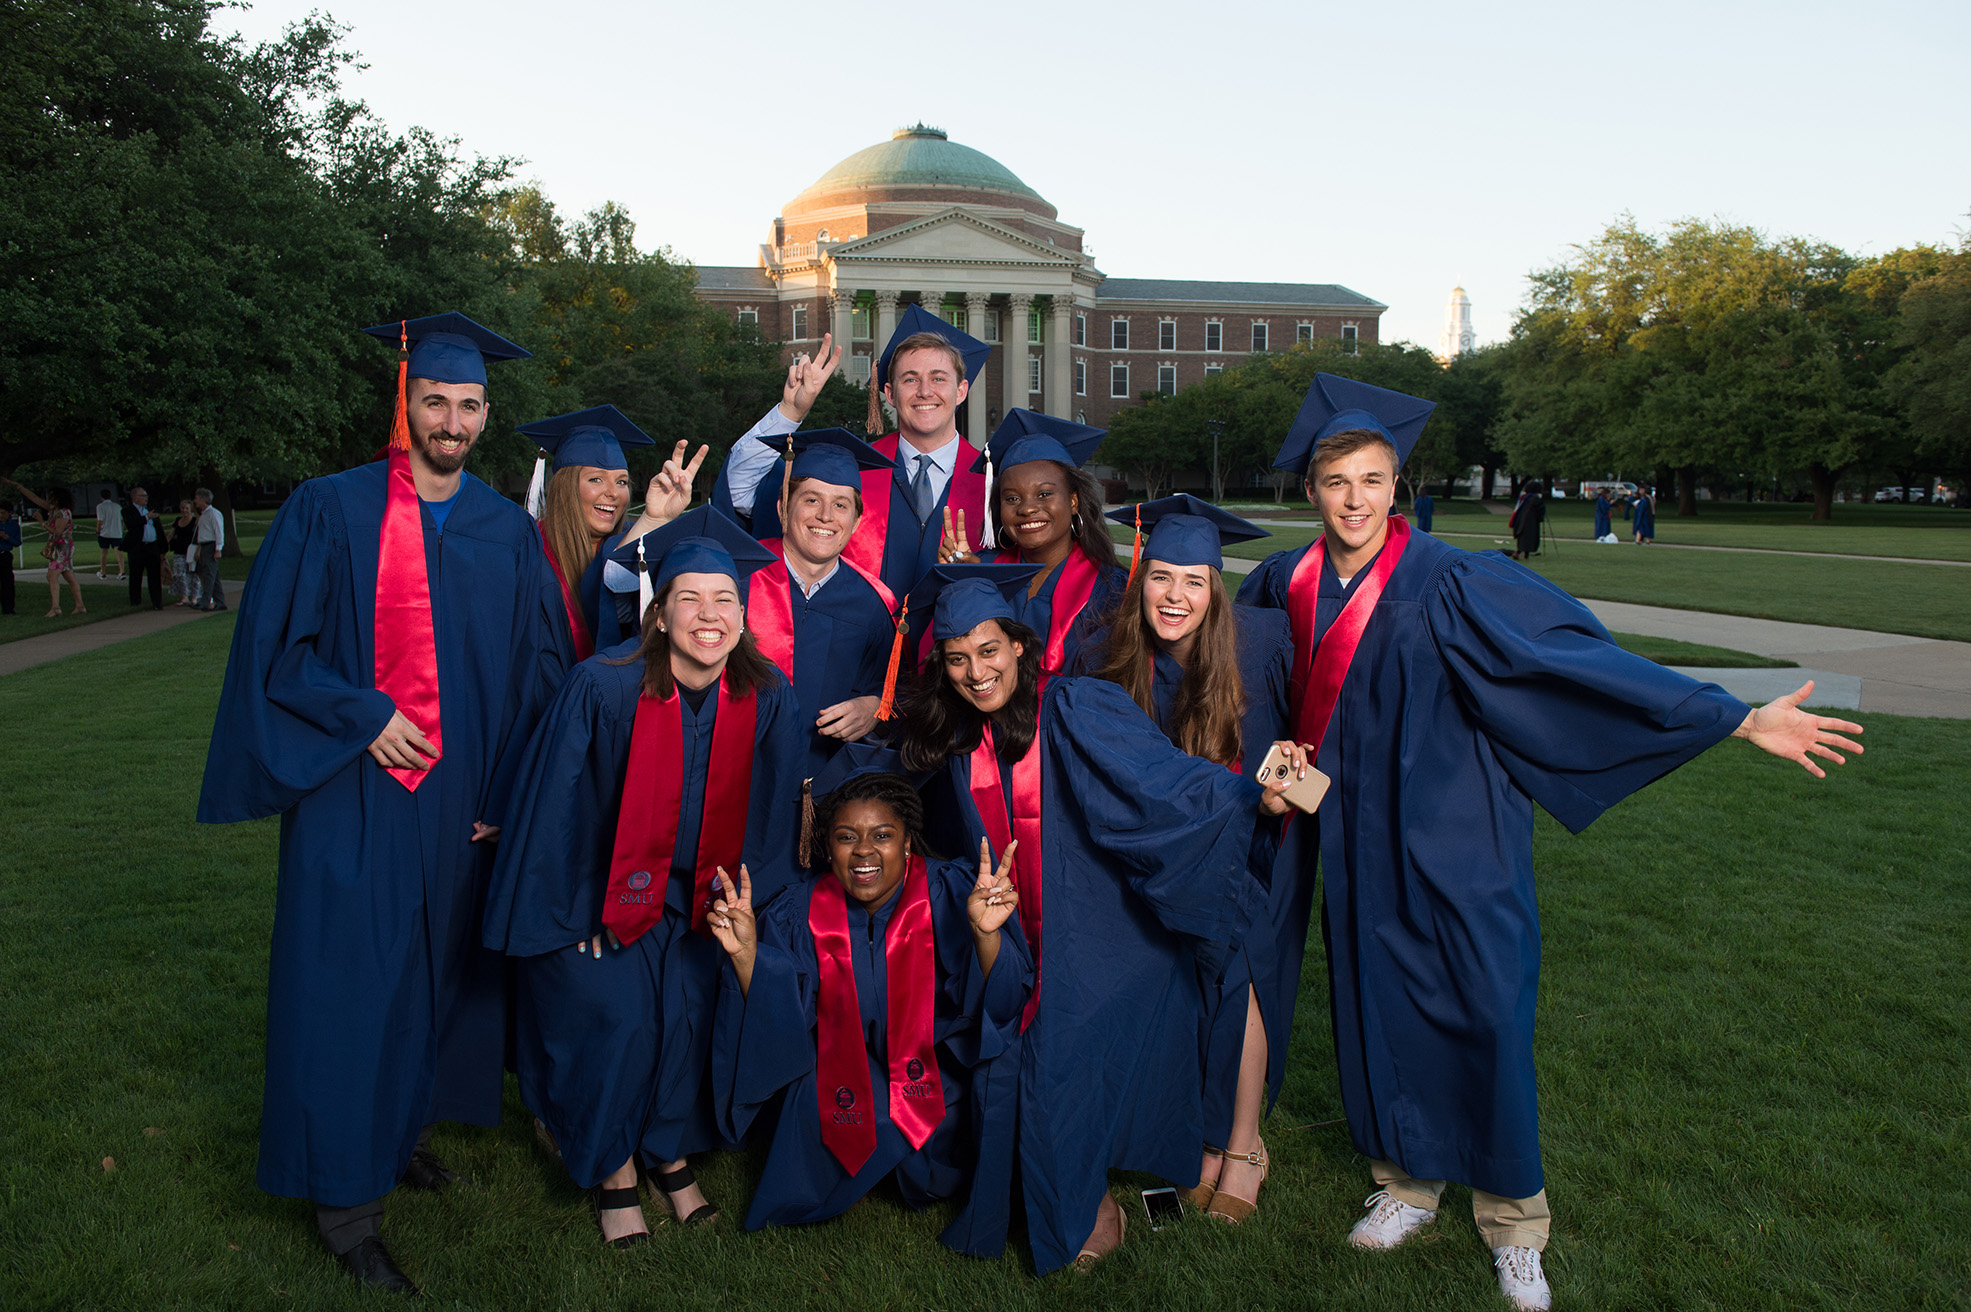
(805, 378)
(402, 747)
(731, 916)
(1782, 728)
(954, 548)
(993, 898)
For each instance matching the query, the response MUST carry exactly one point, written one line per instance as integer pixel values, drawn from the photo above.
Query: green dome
(919, 156)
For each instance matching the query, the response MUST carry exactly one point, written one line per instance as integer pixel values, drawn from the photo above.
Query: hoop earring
(1075, 523)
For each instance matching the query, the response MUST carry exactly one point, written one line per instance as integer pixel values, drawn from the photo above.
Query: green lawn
(1668, 651)
(1753, 1065)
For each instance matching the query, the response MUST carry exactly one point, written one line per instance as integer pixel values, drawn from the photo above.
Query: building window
(1081, 378)
(1081, 416)
(1214, 335)
(957, 318)
(1167, 379)
(859, 323)
(1213, 370)
(1348, 338)
(1119, 334)
(991, 326)
(1258, 338)
(800, 323)
(1118, 380)
(1033, 327)
(859, 368)
(1167, 335)
(1033, 375)
(750, 316)
(1081, 330)
(1303, 333)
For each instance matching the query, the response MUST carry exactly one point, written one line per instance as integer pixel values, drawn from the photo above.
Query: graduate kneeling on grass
(661, 761)
(1447, 692)
(862, 999)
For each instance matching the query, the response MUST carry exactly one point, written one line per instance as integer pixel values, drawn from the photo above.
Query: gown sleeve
(543, 652)
(978, 1014)
(763, 1039)
(289, 720)
(1180, 826)
(1576, 721)
(773, 809)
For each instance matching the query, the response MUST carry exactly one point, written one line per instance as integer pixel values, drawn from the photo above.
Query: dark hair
(1093, 537)
(939, 723)
(1211, 701)
(892, 790)
(747, 670)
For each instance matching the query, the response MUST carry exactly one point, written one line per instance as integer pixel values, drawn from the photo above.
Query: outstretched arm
(1782, 728)
(29, 494)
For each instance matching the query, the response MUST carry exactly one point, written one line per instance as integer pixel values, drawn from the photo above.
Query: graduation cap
(448, 348)
(834, 456)
(916, 319)
(853, 762)
(701, 541)
(962, 597)
(594, 437)
(1336, 405)
(1184, 531)
(1029, 435)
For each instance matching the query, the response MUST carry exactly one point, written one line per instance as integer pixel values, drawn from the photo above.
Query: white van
(1614, 491)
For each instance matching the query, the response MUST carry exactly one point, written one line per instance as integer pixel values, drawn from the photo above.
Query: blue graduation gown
(614, 1055)
(1645, 518)
(1425, 508)
(1037, 611)
(765, 1042)
(1602, 527)
(383, 1013)
(1145, 852)
(841, 650)
(1478, 690)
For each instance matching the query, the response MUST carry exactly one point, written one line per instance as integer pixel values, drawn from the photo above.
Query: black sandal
(669, 1182)
(612, 1200)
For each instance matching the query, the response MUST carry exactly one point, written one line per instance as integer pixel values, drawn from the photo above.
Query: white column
(1013, 337)
(1060, 352)
(886, 319)
(841, 309)
(978, 426)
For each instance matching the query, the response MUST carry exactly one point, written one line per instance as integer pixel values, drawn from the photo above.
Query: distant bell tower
(1457, 337)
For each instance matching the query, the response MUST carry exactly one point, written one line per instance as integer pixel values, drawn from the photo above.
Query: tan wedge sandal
(1199, 1194)
(1231, 1208)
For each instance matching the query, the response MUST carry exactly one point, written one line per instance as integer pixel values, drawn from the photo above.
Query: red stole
(1071, 592)
(1024, 824)
(770, 605)
(1318, 674)
(967, 492)
(841, 1081)
(577, 627)
(406, 649)
(653, 795)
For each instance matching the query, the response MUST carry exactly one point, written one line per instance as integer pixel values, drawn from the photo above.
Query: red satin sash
(577, 627)
(1023, 823)
(770, 606)
(406, 648)
(967, 492)
(1079, 575)
(653, 797)
(1318, 674)
(842, 1092)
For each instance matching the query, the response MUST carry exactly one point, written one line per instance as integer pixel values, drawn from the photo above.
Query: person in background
(1426, 509)
(208, 540)
(1602, 509)
(1643, 517)
(184, 579)
(57, 516)
(1525, 523)
(109, 537)
(10, 544)
(143, 549)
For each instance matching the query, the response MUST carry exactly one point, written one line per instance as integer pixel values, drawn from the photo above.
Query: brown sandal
(1199, 1194)
(1086, 1260)
(1231, 1208)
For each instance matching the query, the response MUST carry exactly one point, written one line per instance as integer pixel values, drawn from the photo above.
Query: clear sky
(1396, 149)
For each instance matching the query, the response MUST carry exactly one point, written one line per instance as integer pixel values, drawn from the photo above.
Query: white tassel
(537, 488)
(643, 590)
(985, 533)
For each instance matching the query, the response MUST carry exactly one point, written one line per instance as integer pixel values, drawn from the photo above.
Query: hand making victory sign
(805, 378)
(732, 924)
(954, 548)
(992, 902)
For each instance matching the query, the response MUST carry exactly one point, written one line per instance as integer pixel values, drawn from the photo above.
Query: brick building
(922, 218)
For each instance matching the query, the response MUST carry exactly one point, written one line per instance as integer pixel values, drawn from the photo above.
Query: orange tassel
(873, 425)
(400, 425)
(1136, 552)
(887, 705)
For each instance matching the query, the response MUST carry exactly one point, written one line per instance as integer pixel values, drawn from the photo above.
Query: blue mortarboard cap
(595, 436)
(449, 348)
(916, 319)
(701, 541)
(1335, 405)
(1028, 435)
(858, 759)
(836, 456)
(1183, 530)
(962, 597)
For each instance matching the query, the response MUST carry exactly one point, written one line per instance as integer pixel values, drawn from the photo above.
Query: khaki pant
(1523, 1221)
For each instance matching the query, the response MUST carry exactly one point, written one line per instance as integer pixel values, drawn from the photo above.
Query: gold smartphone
(1304, 793)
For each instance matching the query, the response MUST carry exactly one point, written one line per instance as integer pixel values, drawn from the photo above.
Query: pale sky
(1397, 149)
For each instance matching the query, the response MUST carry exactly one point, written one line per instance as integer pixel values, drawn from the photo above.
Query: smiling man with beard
(399, 636)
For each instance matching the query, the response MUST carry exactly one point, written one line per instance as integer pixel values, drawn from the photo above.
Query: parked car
(1615, 490)
(1898, 493)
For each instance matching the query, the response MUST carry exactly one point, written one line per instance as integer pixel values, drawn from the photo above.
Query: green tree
(1932, 377)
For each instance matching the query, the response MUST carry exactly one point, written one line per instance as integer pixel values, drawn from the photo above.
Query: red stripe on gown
(1079, 575)
(577, 627)
(406, 648)
(967, 492)
(1319, 673)
(1023, 824)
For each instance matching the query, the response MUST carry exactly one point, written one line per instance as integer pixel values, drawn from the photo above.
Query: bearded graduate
(925, 373)
(1448, 694)
(662, 762)
(823, 619)
(1214, 678)
(858, 1003)
(1048, 513)
(1130, 851)
(398, 638)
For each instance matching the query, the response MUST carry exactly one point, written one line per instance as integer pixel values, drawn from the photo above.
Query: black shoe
(370, 1262)
(611, 1200)
(669, 1182)
(426, 1172)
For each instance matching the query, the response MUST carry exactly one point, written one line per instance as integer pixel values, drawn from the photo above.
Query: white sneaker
(1520, 1278)
(1388, 1223)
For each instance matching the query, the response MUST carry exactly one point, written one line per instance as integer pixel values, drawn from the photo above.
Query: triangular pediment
(954, 237)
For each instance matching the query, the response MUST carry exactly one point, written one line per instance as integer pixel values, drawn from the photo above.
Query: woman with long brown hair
(1214, 677)
(1129, 854)
(653, 775)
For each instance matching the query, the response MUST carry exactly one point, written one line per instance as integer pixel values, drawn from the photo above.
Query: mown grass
(1669, 651)
(1752, 1060)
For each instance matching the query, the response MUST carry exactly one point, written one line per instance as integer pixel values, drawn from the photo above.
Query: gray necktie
(923, 497)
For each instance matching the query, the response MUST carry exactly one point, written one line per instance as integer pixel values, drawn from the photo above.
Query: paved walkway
(1586, 543)
(26, 653)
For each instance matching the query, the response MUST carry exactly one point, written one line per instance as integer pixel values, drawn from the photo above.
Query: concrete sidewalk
(29, 652)
(1501, 536)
